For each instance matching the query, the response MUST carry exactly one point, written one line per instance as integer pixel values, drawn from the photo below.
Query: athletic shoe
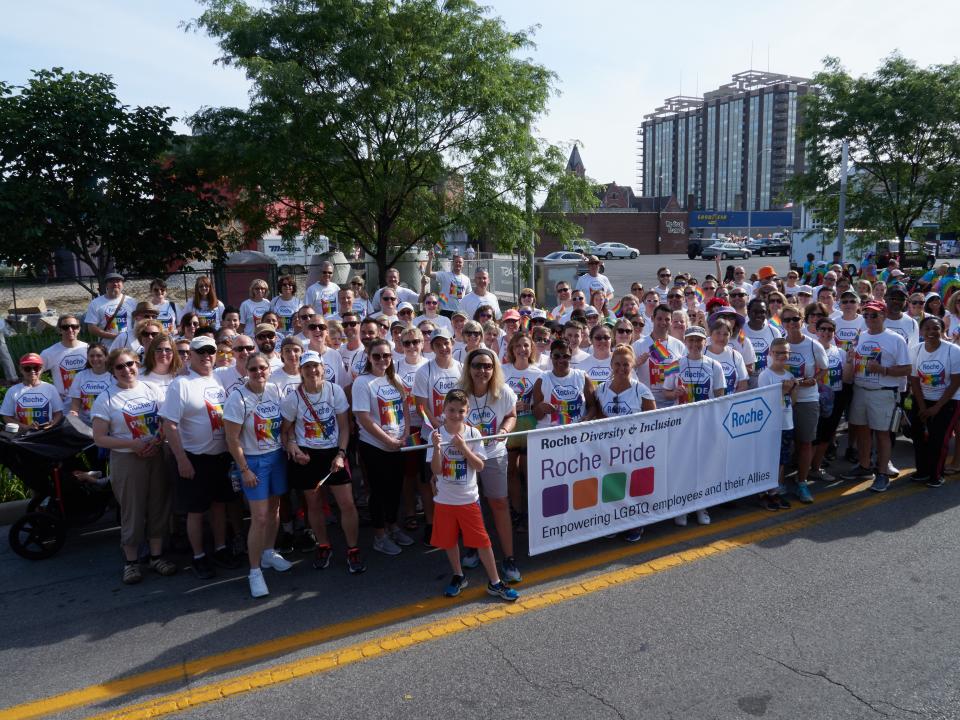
(851, 455)
(782, 502)
(272, 559)
(820, 476)
(226, 559)
(258, 586)
(633, 535)
(803, 493)
(502, 591)
(770, 503)
(306, 541)
(891, 470)
(858, 472)
(680, 520)
(703, 517)
(456, 584)
(510, 571)
(831, 453)
(428, 535)
(918, 478)
(131, 574)
(202, 568)
(162, 566)
(935, 482)
(470, 558)
(401, 538)
(383, 544)
(321, 558)
(355, 564)
(284, 542)
(880, 484)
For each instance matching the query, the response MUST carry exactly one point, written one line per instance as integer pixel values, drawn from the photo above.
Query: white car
(610, 250)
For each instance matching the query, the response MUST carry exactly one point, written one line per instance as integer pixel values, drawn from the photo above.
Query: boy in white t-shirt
(776, 373)
(455, 462)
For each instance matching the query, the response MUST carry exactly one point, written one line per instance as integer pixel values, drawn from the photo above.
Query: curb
(10, 512)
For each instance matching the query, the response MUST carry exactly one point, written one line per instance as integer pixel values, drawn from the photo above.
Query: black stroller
(39, 458)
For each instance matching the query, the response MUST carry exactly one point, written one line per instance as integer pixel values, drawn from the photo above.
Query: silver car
(610, 250)
(724, 250)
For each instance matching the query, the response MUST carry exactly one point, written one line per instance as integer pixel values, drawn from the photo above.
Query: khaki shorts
(873, 408)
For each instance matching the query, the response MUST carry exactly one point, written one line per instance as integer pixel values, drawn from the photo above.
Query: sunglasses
(357, 284)
(304, 318)
(271, 336)
(206, 351)
(624, 331)
(872, 315)
(388, 299)
(825, 328)
(245, 348)
(350, 323)
(639, 324)
(411, 343)
(149, 334)
(195, 323)
(602, 337)
(183, 353)
(738, 294)
(70, 327)
(326, 272)
(849, 302)
(316, 326)
(484, 367)
(773, 301)
(380, 356)
(664, 275)
(128, 365)
(31, 368)
(674, 297)
(471, 333)
(563, 290)
(259, 369)
(560, 357)
(917, 302)
(790, 319)
(163, 351)
(432, 302)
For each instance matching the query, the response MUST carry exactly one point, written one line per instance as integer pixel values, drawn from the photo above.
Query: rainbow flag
(742, 337)
(776, 324)
(444, 298)
(617, 310)
(659, 351)
(414, 440)
(698, 292)
(672, 368)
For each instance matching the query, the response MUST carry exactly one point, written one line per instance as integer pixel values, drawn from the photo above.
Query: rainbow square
(585, 493)
(554, 500)
(641, 482)
(614, 487)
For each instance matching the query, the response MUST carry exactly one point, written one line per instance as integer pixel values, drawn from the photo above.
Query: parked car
(565, 255)
(724, 250)
(913, 255)
(611, 250)
(768, 246)
(586, 247)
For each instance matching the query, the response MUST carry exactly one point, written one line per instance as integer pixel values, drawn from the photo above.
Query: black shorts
(306, 477)
(210, 483)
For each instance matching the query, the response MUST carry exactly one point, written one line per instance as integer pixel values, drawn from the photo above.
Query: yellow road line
(229, 659)
(391, 643)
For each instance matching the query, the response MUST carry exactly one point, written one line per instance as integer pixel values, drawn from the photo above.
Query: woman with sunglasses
(597, 365)
(286, 304)
(144, 332)
(623, 332)
(90, 382)
(204, 303)
(411, 359)
(431, 306)
(66, 358)
(189, 323)
(333, 368)
(126, 421)
(162, 363)
(812, 313)
(492, 409)
(384, 426)
(915, 307)
(166, 309)
(361, 300)
(622, 394)
(33, 403)
(520, 373)
(562, 396)
(527, 306)
(541, 338)
(472, 340)
(251, 422)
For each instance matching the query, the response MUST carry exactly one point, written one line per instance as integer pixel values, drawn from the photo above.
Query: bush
(10, 486)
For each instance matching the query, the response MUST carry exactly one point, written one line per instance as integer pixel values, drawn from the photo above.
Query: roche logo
(746, 417)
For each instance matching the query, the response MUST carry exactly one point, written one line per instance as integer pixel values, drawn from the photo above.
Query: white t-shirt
(285, 310)
(133, 413)
(160, 382)
(32, 404)
(432, 383)
(760, 342)
(438, 322)
(195, 403)
(407, 372)
(486, 415)
(832, 377)
(596, 370)
(906, 327)
(353, 360)
(322, 298)
(566, 394)
(935, 369)
(384, 402)
(806, 359)
(587, 283)
(652, 372)
(286, 384)
(457, 481)
(522, 382)
(847, 331)
(471, 301)
(769, 377)
(333, 369)
(315, 421)
(744, 347)
(100, 310)
(627, 402)
(258, 416)
(734, 369)
(700, 378)
(208, 315)
(229, 378)
(451, 289)
(64, 363)
(251, 311)
(887, 348)
(403, 295)
(86, 387)
(167, 316)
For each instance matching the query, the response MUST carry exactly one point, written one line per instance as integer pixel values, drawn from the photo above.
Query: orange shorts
(451, 520)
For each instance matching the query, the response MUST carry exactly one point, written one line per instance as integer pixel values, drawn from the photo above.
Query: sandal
(951, 470)
(131, 574)
(163, 567)
(410, 522)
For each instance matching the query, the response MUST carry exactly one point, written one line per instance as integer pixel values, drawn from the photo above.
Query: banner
(592, 479)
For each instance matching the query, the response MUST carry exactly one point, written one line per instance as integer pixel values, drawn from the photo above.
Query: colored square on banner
(555, 501)
(585, 493)
(614, 487)
(641, 482)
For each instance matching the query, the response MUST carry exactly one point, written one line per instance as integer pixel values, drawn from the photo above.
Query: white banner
(593, 479)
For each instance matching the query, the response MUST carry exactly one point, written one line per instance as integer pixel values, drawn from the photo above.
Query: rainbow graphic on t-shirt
(146, 425)
(30, 415)
(86, 401)
(932, 380)
(456, 291)
(565, 411)
(326, 306)
(215, 413)
(523, 389)
(454, 470)
(860, 361)
(286, 323)
(67, 376)
(323, 430)
(119, 322)
(267, 429)
(659, 351)
(832, 377)
(390, 412)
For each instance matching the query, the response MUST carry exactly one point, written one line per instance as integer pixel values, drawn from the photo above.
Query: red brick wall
(637, 230)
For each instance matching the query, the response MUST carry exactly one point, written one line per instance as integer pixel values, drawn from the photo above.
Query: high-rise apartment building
(732, 149)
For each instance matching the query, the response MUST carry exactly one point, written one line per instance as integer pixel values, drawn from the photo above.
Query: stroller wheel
(37, 536)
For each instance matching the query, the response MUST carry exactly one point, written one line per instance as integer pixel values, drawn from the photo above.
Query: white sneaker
(892, 472)
(385, 545)
(680, 520)
(258, 586)
(401, 538)
(703, 517)
(272, 559)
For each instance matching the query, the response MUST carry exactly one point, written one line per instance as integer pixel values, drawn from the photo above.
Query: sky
(614, 62)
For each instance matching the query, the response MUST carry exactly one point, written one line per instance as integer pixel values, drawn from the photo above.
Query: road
(843, 609)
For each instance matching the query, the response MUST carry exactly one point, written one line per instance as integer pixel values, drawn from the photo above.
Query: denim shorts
(271, 471)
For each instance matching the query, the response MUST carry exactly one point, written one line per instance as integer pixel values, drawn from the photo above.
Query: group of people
(282, 399)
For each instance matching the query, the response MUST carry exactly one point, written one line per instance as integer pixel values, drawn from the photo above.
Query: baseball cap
(511, 315)
(31, 359)
(896, 289)
(310, 356)
(695, 331)
(203, 341)
(112, 276)
(264, 328)
(404, 306)
(461, 313)
(441, 332)
(877, 305)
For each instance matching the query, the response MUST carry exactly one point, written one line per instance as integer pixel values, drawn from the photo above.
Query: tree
(903, 128)
(82, 172)
(381, 122)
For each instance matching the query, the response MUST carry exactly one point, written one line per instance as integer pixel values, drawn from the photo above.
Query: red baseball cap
(31, 359)
(878, 305)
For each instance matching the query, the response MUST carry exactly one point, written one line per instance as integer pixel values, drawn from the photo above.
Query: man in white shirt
(452, 286)
(322, 295)
(266, 336)
(480, 296)
(663, 286)
(741, 281)
(111, 313)
(902, 324)
(593, 280)
(388, 304)
(392, 279)
(563, 295)
(829, 281)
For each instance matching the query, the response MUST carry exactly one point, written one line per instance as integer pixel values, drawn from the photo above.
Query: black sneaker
(226, 559)
(457, 583)
(306, 541)
(858, 473)
(202, 568)
(935, 482)
(284, 542)
(851, 455)
(355, 564)
(322, 557)
(782, 502)
(770, 503)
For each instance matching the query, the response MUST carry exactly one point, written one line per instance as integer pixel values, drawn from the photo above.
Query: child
(776, 373)
(456, 496)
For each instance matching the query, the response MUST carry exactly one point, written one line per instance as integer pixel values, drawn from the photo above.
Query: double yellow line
(389, 643)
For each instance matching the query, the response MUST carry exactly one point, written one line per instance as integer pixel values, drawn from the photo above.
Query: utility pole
(842, 211)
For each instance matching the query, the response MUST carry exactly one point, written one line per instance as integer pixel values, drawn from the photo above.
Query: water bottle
(236, 477)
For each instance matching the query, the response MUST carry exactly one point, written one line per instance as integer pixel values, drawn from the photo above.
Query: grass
(10, 486)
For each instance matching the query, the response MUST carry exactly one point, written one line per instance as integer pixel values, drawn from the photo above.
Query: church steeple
(575, 164)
